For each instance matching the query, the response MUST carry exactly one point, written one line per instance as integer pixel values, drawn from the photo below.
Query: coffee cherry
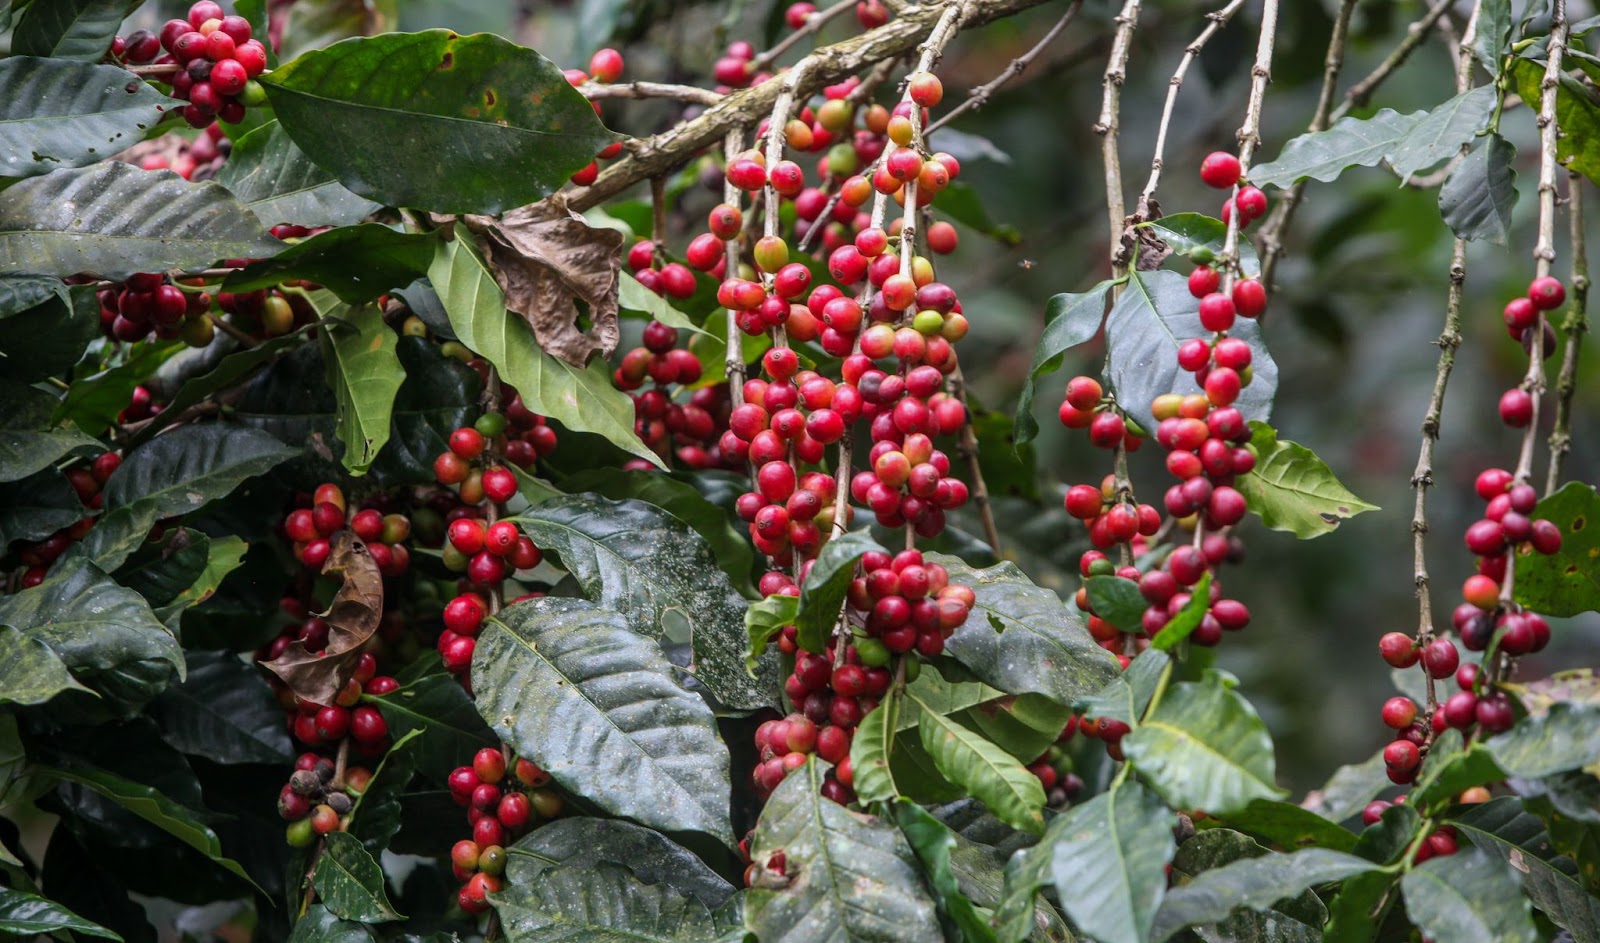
(499, 484)
(367, 725)
(1398, 650)
(606, 66)
(1440, 658)
(1547, 293)
(1399, 712)
(1220, 169)
(1516, 408)
(1402, 756)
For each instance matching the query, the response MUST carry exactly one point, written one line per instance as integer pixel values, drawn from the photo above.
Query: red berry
(606, 65)
(1547, 292)
(1220, 169)
(367, 725)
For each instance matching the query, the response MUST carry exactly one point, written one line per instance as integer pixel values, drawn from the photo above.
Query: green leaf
(1289, 826)
(1127, 694)
(38, 506)
(1440, 135)
(93, 402)
(1468, 897)
(1494, 34)
(606, 902)
(66, 114)
(993, 776)
(1293, 490)
(1022, 638)
(489, 125)
(583, 842)
(365, 375)
(1477, 198)
(105, 634)
(871, 749)
(858, 879)
(26, 914)
(223, 556)
(114, 219)
(762, 621)
(174, 474)
(1253, 883)
(1153, 316)
(1452, 766)
(826, 586)
(46, 336)
(633, 296)
(961, 203)
(1108, 860)
(1070, 320)
(1204, 747)
(357, 263)
(30, 440)
(1117, 600)
(70, 29)
(583, 400)
(317, 925)
(30, 671)
(273, 177)
(1567, 737)
(223, 711)
(935, 846)
(438, 707)
(577, 690)
(1024, 726)
(1324, 155)
(149, 804)
(1009, 468)
(640, 561)
(1349, 789)
(315, 25)
(1493, 827)
(1185, 232)
(377, 815)
(1566, 582)
(1577, 114)
(350, 883)
(1182, 625)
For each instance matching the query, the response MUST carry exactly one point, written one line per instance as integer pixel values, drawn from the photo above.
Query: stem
(734, 356)
(155, 71)
(1573, 326)
(658, 216)
(979, 96)
(243, 339)
(968, 449)
(1249, 136)
(637, 90)
(340, 760)
(1108, 126)
(1218, 19)
(1417, 33)
(813, 24)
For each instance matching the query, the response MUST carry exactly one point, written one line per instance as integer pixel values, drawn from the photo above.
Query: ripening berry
(1547, 292)
(1252, 204)
(1516, 408)
(1084, 392)
(1249, 297)
(1204, 280)
(1220, 169)
(1216, 312)
(606, 66)
(926, 89)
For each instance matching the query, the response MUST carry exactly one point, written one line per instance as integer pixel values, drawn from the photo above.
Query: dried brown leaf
(353, 617)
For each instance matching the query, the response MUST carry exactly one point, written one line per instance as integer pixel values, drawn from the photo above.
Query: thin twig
(967, 446)
(1574, 325)
(640, 90)
(1416, 34)
(734, 356)
(658, 217)
(1110, 121)
(1249, 135)
(1218, 20)
(979, 96)
(156, 71)
(243, 339)
(815, 22)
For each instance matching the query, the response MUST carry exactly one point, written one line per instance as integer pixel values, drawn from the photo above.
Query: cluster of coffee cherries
(325, 725)
(87, 479)
(689, 432)
(1522, 317)
(314, 803)
(320, 515)
(1507, 526)
(605, 67)
(217, 59)
(149, 303)
(192, 159)
(1442, 841)
(1223, 171)
(1054, 766)
(502, 803)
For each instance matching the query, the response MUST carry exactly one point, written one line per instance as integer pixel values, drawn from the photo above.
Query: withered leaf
(353, 616)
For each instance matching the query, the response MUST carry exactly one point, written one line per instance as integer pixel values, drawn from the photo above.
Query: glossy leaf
(349, 881)
(378, 811)
(1185, 232)
(762, 621)
(1349, 789)
(1117, 600)
(272, 176)
(38, 506)
(45, 336)
(1253, 883)
(1022, 638)
(70, 29)
(1468, 897)
(872, 747)
(1566, 582)
(583, 842)
(826, 586)
(633, 296)
(489, 125)
(993, 776)
(1126, 696)
(1452, 766)
(114, 219)
(1108, 859)
(223, 555)
(1289, 826)
(1187, 619)
(1154, 315)
(858, 880)
(935, 846)
(1494, 34)
(315, 25)
(1577, 114)
(366, 376)
(1566, 737)
(451, 731)
(59, 113)
(606, 902)
(357, 263)
(1440, 135)
(26, 914)
(1293, 490)
(1024, 726)
(1477, 198)
(1494, 827)
(645, 564)
(583, 400)
(577, 690)
(318, 925)
(29, 438)
(223, 711)
(1070, 320)
(94, 402)
(1323, 155)
(30, 671)
(1204, 747)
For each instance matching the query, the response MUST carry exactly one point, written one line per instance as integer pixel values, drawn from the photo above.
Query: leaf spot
(448, 62)
(1578, 523)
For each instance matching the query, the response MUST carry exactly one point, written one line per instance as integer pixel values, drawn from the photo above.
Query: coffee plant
(450, 493)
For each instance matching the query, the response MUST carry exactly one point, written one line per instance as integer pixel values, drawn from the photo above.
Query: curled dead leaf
(352, 618)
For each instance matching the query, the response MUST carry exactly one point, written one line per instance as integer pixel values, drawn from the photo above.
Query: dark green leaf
(1577, 114)
(583, 400)
(1182, 625)
(1566, 582)
(858, 877)
(357, 263)
(606, 902)
(1127, 694)
(1254, 883)
(935, 846)
(66, 114)
(762, 621)
(1023, 726)
(1022, 638)
(1493, 35)
(988, 773)
(47, 338)
(1477, 198)
(1293, 490)
(489, 125)
(223, 555)
(70, 29)
(1564, 738)
(1185, 232)
(114, 219)
(1154, 315)
(1108, 860)
(38, 506)
(273, 177)
(366, 376)
(29, 438)
(1349, 789)
(823, 593)
(320, 926)
(94, 402)
(576, 689)
(350, 883)
(1289, 826)
(583, 842)
(1070, 320)
(640, 561)
(105, 634)
(1562, 898)
(223, 711)
(378, 811)
(1117, 600)
(1009, 468)
(28, 914)
(1440, 135)
(1468, 897)
(872, 749)
(439, 707)
(30, 671)
(1323, 155)
(1204, 747)
(961, 203)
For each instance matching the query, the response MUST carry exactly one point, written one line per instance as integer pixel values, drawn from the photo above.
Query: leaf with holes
(1154, 315)
(489, 125)
(988, 773)
(1566, 582)
(349, 882)
(114, 219)
(1293, 490)
(272, 176)
(854, 877)
(1324, 155)
(1070, 320)
(66, 114)
(70, 29)
(1204, 747)
(575, 688)
(1477, 198)
(639, 561)
(1468, 897)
